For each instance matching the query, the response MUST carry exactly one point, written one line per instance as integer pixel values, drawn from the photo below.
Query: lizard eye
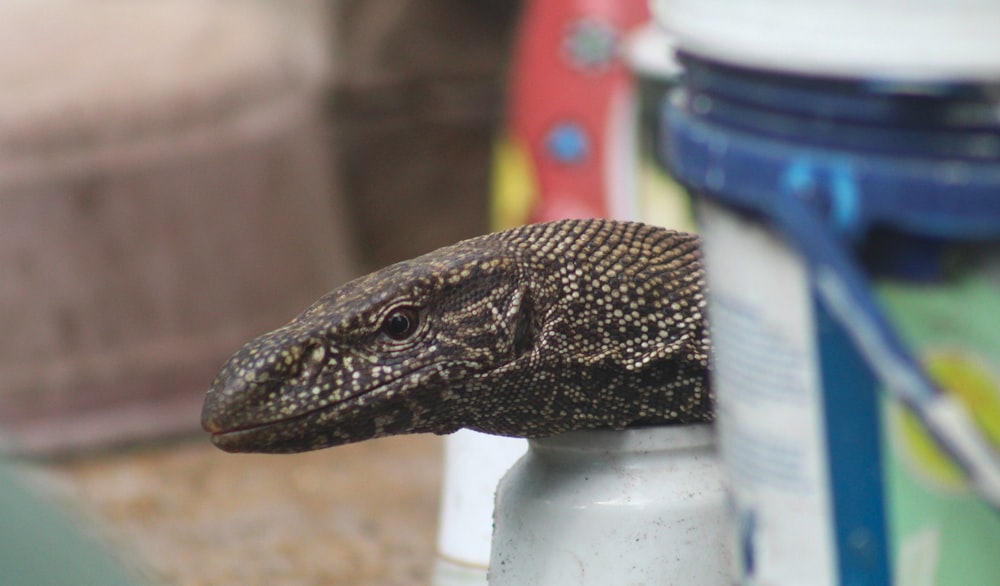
(401, 323)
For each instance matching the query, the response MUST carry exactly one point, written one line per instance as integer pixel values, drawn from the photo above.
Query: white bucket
(640, 506)
(851, 233)
(913, 39)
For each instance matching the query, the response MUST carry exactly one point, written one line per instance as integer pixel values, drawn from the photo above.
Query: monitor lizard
(529, 332)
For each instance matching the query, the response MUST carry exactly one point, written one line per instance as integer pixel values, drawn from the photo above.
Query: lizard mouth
(310, 430)
(273, 435)
(286, 435)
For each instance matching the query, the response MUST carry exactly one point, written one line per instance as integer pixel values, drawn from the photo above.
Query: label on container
(842, 484)
(770, 404)
(941, 532)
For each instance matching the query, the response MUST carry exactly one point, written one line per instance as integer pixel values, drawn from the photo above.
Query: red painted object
(570, 107)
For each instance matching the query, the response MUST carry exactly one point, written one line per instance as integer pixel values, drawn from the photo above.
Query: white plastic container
(912, 39)
(473, 465)
(844, 157)
(641, 506)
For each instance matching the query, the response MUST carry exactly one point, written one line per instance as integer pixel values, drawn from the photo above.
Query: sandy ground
(361, 514)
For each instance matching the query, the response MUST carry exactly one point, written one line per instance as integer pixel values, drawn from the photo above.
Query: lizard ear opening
(525, 324)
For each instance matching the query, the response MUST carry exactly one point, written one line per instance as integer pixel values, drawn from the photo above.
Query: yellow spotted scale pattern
(530, 332)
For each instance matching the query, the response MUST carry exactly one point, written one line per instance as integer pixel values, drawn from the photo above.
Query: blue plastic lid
(923, 159)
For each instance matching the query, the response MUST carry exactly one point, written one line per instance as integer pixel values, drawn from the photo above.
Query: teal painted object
(42, 546)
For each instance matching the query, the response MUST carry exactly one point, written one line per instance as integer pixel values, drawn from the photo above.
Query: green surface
(42, 546)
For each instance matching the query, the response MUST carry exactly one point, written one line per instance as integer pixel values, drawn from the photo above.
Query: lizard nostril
(313, 360)
(315, 353)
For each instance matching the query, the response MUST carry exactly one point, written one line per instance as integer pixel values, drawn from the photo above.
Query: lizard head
(539, 330)
(385, 354)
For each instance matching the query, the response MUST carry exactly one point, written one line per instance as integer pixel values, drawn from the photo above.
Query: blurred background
(176, 178)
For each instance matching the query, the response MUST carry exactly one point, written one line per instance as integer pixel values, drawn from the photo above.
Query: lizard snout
(242, 396)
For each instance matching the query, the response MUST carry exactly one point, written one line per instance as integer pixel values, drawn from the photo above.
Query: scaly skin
(531, 332)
